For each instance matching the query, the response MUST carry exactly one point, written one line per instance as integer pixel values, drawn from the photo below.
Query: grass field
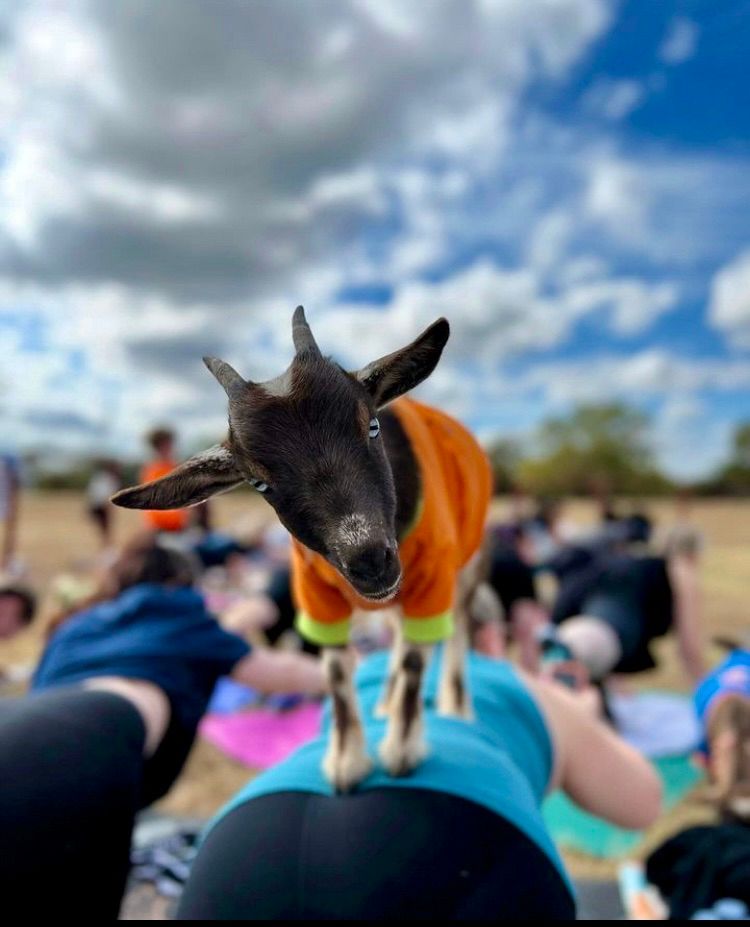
(55, 536)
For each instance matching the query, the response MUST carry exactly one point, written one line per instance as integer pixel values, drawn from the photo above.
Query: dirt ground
(55, 537)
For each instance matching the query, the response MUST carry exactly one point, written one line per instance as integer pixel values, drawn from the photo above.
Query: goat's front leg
(454, 699)
(346, 762)
(403, 746)
(397, 652)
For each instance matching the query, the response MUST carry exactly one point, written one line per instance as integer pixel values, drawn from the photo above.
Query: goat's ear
(206, 474)
(392, 376)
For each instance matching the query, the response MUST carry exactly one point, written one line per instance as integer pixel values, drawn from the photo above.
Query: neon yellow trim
(318, 632)
(415, 520)
(428, 630)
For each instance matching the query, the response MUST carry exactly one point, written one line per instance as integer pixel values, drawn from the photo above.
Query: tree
(741, 446)
(596, 444)
(505, 456)
(734, 477)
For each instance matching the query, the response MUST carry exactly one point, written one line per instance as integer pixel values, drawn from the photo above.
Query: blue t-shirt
(165, 636)
(732, 677)
(502, 760)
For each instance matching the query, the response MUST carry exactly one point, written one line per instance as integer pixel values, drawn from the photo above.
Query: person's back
(508, 731)
(112, 713)
(461, 837)
(630, 595)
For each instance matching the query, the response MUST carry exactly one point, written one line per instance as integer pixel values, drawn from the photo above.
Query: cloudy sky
(568, 181)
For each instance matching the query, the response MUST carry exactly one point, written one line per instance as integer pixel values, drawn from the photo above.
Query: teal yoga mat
(575, 829)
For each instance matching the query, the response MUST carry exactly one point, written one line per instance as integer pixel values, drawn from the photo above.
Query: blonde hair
(729, 740)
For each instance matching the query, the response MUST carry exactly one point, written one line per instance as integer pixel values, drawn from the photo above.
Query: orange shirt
(166, 519)
(456, 484)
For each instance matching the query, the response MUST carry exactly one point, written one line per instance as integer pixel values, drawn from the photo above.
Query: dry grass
(55, 537)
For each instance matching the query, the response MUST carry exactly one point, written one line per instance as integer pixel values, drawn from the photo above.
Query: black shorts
(383, 854)
(71, 768)
(511, 578)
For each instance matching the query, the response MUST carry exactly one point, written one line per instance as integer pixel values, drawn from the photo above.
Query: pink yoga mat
(260, 738)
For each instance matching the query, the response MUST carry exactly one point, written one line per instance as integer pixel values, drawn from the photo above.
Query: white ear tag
(374, 428)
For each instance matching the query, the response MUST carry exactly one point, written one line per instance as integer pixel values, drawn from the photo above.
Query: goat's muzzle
(374, 571)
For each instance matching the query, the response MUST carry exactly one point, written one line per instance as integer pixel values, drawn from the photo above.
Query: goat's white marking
(354, 530)
(346, 761)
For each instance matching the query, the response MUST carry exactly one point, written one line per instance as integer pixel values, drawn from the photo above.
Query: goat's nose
(371, 562)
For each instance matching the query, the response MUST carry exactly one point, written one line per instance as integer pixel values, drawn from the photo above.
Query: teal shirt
(502, 760)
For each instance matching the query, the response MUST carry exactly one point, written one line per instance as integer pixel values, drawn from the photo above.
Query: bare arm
(11, 522)
(279, 671)
(683, 577)
(594, 766)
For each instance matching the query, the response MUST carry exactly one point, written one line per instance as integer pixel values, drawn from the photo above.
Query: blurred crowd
(184, 604)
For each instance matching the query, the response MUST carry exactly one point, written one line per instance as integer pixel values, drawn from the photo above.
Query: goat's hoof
(399, 757)
(347, 769)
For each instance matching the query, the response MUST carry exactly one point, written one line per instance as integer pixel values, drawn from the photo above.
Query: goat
(384, 505)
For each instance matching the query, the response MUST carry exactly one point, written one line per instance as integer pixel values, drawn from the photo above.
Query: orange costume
(166, 519)
(456, 486)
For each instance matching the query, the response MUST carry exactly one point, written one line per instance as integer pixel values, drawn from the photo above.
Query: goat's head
(309, 441)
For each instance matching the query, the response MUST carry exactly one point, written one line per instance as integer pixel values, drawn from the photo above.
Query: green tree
(741, 446)
(596, 444)
(734, 477)
(505, 456)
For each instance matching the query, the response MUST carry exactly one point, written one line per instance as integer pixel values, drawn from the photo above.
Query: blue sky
(567, 181)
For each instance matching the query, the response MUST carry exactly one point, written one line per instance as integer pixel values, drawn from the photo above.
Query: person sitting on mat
(610, 607)
(702, 867)
(108, 724)
(722, 703)
(462, 836)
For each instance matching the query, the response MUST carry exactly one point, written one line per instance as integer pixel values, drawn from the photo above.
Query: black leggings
(391, 853)
(71, 768)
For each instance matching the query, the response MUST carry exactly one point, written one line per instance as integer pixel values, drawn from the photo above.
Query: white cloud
(614, 99)
(680, 41)
(617, 197)
(729, 308)
(635, 305)
(650, 373)
(155, 207)
(689, 441)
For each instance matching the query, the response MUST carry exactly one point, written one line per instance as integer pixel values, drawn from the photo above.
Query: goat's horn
(301, 334)
(230, 380)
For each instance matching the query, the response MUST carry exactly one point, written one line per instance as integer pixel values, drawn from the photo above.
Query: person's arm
(11, 522)
(683, 577)
(594, 766)
(280, 671)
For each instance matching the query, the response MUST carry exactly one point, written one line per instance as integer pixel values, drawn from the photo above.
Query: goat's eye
(259, 485)
(374, 428)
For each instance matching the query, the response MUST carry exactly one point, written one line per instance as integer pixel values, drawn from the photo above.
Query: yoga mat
(657, 723)
(230, 696)
(260, 738)
(575, 829)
